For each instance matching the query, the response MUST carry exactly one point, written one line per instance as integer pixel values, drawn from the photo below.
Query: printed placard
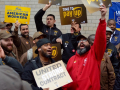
(94, 5)
(56, 51)
(52, 76)
(71, 13)
(17, 13)
(53, 2)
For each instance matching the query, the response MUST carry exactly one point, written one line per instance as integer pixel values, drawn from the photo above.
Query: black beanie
(41, 42)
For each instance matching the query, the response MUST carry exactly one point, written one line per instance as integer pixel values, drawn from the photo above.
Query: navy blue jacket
(27, 74)
(13, 63)
(112, 53)
(69, 45)
(115, 38)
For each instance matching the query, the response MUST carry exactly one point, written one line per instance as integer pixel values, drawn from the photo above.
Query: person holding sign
(50, 29)
(44, 51)
(107, 78)
(23, 42)
(84, 66)
(68, 42)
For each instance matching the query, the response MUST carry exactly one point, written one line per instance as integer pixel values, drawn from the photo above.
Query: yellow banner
(17, 13)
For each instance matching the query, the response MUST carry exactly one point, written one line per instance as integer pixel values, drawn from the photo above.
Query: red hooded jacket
(85, 69)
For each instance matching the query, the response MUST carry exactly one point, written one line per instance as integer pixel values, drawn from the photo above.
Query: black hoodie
(52, 33)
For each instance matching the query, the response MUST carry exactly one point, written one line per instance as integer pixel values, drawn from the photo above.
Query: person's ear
(34, 41)
(54, 21)
(79, 29)
(39, 49)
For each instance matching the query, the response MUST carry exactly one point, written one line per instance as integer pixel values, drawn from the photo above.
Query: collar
(39, 63)
(53, 26)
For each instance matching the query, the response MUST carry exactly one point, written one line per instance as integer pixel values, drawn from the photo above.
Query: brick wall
(87, 29)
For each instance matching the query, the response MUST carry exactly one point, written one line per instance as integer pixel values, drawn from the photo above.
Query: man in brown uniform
(14, 52)
(6, 41)
(30, 54)
(23, 42)
(107, 79)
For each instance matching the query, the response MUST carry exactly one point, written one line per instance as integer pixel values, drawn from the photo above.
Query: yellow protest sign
(17, 13)
(52, 76)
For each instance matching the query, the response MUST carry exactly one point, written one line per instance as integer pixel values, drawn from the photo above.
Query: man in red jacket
(84, 66)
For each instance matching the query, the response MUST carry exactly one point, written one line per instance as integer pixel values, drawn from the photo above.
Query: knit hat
(41, 42)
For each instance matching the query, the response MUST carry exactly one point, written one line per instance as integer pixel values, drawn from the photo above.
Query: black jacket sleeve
(117, 82)
(13, 63)
(28, 76)
(38, 20)
(115, 61)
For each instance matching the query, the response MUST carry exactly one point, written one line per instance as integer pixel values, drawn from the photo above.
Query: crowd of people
(92, 62)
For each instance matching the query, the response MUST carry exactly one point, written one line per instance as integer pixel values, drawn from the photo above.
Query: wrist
(44, 9)
(16, 28)
(103, 18)
(3, 57)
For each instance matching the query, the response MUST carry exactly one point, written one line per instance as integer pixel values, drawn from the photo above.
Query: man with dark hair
(50, 28)
(115, 37)
(107, 79)
(44, 51)
(68, 42)
(23, 42)
(84, 66)
(30, 54)
(111, 51)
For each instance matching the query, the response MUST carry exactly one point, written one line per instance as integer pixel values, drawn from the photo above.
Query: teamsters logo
(54, 52)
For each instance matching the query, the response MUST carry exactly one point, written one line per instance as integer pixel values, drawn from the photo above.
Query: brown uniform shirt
(28, 55)
(107, 74)
(23, 44)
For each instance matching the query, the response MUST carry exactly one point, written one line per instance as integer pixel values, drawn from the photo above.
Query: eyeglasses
(82, 40)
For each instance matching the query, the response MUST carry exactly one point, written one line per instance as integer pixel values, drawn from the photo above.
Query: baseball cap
(37, 34)
(5, 34)
(41, 42)
(2, 25)
(10, 80)
(81, 36)
(109, 30)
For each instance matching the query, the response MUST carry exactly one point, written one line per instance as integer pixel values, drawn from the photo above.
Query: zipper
(49, 33)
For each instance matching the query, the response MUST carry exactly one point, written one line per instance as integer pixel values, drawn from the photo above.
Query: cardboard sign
(94, 5)
(54, 2)
(52, 76)
(17, 13)
(56, 51)
(71, 13)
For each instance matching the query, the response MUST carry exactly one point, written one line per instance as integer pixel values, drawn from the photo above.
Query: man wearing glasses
(23, 42)
(84, 66)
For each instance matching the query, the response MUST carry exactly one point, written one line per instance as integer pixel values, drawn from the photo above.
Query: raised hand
(103, 11)
(73, 26)
(47, 6)
(2, 54)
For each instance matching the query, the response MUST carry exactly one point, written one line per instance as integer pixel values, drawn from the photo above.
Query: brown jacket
(23, 44)
(118, 47)
(30, 54)
(107, 74)
(13, 54)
